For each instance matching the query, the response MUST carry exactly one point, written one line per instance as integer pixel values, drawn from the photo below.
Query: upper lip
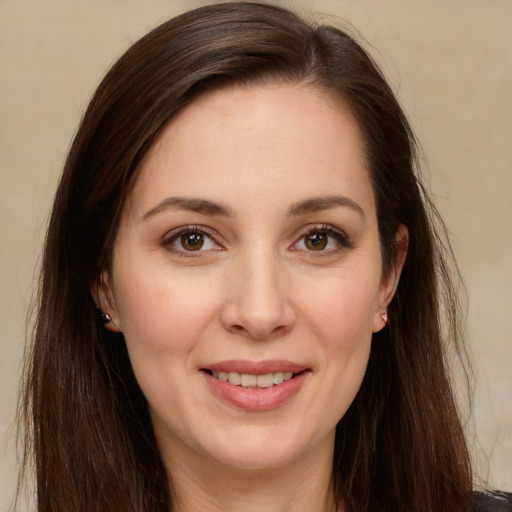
(256, 367)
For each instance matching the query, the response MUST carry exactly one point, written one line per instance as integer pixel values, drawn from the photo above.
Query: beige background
(450, 62)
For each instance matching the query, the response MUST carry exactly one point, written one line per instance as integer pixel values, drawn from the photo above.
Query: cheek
(160, 311)
(340, 314)
(163, 319)
(341, 309)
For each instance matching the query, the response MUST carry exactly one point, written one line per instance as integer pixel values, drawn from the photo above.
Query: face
(247, 276)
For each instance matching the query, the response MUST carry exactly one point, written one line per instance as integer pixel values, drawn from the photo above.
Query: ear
(104, 300)
(389, 281)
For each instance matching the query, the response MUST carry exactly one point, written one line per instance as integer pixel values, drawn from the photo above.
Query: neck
(302, 485)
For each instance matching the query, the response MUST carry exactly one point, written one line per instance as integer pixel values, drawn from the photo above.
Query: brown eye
(192, 241)
(324, 240)
(188, 240)
(316, 241)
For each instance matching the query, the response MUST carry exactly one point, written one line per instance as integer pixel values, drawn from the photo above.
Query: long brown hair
(400, 446)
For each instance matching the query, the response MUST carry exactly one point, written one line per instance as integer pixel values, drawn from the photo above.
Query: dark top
(493, 502)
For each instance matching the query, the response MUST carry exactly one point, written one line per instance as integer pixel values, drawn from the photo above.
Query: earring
(105, 318)
(385, 317)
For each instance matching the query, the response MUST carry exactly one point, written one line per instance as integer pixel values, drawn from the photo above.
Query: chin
(255, 458)
(263, 448)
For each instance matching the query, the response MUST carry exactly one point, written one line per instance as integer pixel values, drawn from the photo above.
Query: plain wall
(450, 62)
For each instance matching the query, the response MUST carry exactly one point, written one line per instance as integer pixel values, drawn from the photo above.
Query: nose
(257, 305)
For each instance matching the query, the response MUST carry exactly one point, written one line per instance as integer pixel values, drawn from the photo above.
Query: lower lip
(260, 399)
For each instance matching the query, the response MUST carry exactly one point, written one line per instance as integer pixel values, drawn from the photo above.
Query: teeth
(278, 377)
(265, 381)
(234, 378)
(248, 380)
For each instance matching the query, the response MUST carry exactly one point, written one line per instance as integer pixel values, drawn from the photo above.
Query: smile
(248, 380)
(256, 386)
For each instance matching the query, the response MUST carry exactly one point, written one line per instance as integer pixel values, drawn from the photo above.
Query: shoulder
(494, 501)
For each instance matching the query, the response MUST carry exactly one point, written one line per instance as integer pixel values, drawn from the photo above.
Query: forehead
(282, 139)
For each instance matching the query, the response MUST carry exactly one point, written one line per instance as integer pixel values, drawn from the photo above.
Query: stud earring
(385, 317)
(105, 318)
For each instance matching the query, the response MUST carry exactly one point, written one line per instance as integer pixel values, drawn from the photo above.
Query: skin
(258, 289)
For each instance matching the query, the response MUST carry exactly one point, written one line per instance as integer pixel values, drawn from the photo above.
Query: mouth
(251, 380)
(256, 386)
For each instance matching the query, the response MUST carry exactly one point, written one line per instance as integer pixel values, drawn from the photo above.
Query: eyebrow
(317, 204)
(192, 204)
(207, 207)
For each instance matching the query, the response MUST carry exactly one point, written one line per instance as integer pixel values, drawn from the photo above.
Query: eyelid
(172, 235)
(338, 234)
(343, 239)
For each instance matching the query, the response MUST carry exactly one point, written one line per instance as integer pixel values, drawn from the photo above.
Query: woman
(243, 287)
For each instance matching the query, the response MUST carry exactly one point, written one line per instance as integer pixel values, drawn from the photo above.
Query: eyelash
(341, 238)
(174, 235)
(344, 241)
